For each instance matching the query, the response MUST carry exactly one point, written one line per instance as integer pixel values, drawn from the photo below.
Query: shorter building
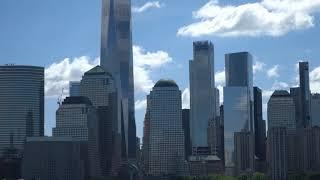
(205, 165)
(74, 88)
(311, 149)
(243, 152)
(315, 109)
(186, 130)
(51, 158)
(277, 153)
(215, 137)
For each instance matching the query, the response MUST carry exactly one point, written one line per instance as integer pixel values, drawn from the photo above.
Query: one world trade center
(116, 57)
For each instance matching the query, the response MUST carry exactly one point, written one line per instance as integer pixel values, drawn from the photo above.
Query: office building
(304, 95)
(201, 166)
(74, 88)
(166, 143)
(277, 153)
(238, 105)
(99, 86)
(48, 158)
(186, 130)
(311, 149)
(202, 91)
(117, 58)
(146, 139)
(21, 104)
(243, 152)
(77, 118)
(315, 109)
(259, 125)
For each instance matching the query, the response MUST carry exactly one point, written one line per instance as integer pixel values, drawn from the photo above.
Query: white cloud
(58, 75)
(220, 77)
(186, 98)
(273, 72)
(278, 85)
(266, 17)
(258, 66)
(147, 6)
(144, 63)
(315, 80)
(141, 104)
(220, 87)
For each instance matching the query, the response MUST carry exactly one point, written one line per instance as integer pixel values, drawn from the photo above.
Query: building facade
(166, 143)
(315, 109)
(21, 104)
(49, 158)
(116, 58)
(74, 88)
(238, 104)
(202, 91)
(305, 94)
(186, 130)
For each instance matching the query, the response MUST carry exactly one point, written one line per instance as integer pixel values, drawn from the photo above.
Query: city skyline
(166, 58)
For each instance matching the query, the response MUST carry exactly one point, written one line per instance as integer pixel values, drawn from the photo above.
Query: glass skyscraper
(21, 104)
(202, 91)
(304, 95)
(116, 57)
(238, 104)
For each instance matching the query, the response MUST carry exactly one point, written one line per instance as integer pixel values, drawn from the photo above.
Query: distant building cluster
(95, 132)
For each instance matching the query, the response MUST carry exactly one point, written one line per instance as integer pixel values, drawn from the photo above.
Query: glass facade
(116, 57)
(202, 91)
(304, 95)
(238, 104)
(21, 104)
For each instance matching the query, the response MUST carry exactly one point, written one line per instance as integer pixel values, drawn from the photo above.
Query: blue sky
(64, 37)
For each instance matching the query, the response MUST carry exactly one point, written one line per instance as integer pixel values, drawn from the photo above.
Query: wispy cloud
(267, 18)
(147, 6)
(258, 66)
(141, 104)
(273, 72)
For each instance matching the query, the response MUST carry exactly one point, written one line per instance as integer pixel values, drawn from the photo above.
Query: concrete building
(100, 87)
(116, 58)
(315, 109)
(21, 104)
(202, 92)
(166, 143)
(238, 104)
(49, 158)
(77, 118)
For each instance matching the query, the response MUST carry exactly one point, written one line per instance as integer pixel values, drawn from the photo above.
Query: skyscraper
(202, 91)
(21, 104)
(100, 87)
(304, 95)
(166, 143)
(116, 57)
(186, 130)
(259, 125)
(74, 88)
(238, 104)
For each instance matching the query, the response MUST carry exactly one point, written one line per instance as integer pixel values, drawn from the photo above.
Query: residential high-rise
(315, 109)
(116, 57)
(166, 143)
(74, 88)
(259, 125)
(48, 158)
(21, 104)
(77, 118)
(100, 87)
(202, 91)
(186, 130)
(238, 105)
(277, 153)
(304, 95)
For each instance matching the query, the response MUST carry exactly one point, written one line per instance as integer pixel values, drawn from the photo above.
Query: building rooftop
(77, 100)
(280, 93)
(98, 70)
(166, 83)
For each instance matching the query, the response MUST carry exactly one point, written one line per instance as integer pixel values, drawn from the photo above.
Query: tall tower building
(166, 143)
(259, 125)
(202, 91)
(100, 87)
(116, 57)
(238, 105)
(21, 104)
(186, 130)
(304, 95)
